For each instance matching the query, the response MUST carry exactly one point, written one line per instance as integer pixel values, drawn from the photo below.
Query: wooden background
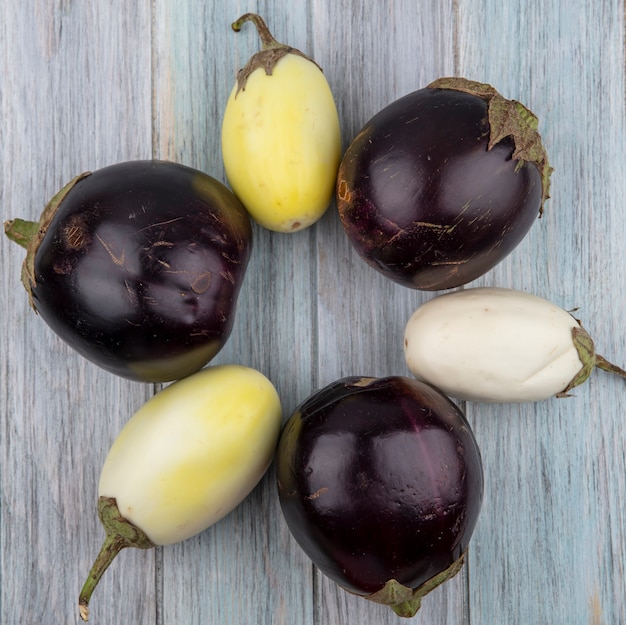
(86, 83)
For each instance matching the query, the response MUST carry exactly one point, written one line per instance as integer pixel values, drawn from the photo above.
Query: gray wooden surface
(88, 83)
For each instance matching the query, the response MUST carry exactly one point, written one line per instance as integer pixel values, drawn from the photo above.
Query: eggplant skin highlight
(427, 200)
(380, 479)
(140, 267)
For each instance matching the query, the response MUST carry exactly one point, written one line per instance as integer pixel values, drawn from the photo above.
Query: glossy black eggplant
(138, 267)
(380, 481)
(442, 184)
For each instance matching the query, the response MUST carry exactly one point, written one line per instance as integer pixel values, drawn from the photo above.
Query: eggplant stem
(120, 533)
(271, 50)
(406, 602)
(267, 39)
(21, 231)
(111, 547)
(408, 609)
(589, 360)
(605, 365)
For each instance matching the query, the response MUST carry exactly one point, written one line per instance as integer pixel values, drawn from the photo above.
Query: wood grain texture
(550, 544)
(76, 95)
(85, 84)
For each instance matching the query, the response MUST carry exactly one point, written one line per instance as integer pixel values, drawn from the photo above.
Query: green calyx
(405, 601)
(30, 234)
(120, 533)
(508, 118)
(271, 52)
(589, 359)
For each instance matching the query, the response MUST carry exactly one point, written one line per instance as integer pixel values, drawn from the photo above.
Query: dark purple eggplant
(138, 267)
(380, 481)
(442, 184)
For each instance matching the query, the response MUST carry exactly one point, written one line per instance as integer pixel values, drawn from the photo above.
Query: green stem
(120, 533)
(406, 602)
(21, 231)
(605, 365)
(271, 51)
(113, 544)
(267, 39)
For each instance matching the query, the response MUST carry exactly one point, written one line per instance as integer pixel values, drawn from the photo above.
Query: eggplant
(188, 457)
(138, 267)
(380, 481)
(493, 344)
(442, 184)
(281, 103)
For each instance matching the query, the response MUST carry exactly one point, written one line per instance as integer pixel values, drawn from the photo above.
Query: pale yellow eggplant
(184, 460)
(281, 141)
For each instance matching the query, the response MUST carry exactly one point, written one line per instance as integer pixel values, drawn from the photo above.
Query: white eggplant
(184, 460)
(499, 345)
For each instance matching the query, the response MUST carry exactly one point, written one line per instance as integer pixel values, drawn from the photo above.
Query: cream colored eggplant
(281, 141)
(499, 345)
(184, 460)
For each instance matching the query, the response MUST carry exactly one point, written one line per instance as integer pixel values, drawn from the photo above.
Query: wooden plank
(75, 87)
(245, 569)
(372, 54)
(87, 84)
(550, 544)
